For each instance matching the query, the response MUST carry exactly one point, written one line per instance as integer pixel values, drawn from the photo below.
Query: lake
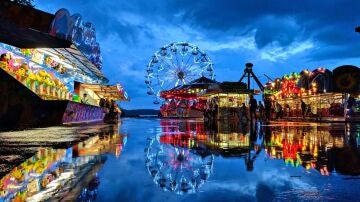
(150, 159)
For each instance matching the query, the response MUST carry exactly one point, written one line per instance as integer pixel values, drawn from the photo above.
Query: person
(267, 108)
(255, 146)
(287, 110)
(243, 114)
(216, 111)
(253, 107)
(4, 58)
(102, 102)
(303, 108)
(84, 100)
(349, 105)
(350, 102)
(278, 110)
(107, 104)
(261, 110)
(113, 111)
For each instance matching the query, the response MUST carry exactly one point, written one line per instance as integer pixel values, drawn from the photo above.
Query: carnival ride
(250, 74)
(176, 64)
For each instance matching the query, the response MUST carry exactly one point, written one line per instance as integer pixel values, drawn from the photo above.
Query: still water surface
(183, 160)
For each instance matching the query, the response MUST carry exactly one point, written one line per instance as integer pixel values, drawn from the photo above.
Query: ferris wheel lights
(184, 49)
(160, 68)
(173, 49)
(155, 60)
(150, 91)
(176, 64)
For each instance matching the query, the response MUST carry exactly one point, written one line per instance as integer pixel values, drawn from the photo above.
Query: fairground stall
(96, 95)
(41, 58)
(323, 92)
(183, 101)
(226, 100)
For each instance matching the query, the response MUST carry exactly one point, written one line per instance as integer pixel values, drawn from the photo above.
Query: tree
(28, 3)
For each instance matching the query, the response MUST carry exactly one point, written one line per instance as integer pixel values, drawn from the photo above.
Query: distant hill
(139, 112)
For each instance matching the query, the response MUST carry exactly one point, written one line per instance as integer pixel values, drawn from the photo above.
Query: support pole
(249, 73)
(248, 83)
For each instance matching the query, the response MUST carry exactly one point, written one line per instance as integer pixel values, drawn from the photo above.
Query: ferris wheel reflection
(180, 157)
(177, 169)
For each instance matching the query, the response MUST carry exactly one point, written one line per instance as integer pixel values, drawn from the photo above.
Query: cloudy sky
(279, 37)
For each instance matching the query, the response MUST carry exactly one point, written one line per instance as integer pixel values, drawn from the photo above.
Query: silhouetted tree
(24, 2)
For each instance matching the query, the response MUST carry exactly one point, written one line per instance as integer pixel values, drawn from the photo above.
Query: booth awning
(73, 56)
(114, 92)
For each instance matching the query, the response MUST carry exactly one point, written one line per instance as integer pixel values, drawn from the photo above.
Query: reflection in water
(180, 157)
(217, 162)
(62, 174)
(243, 141)
(176, 157)
(174, 163)
(324, 147)
(89, 193)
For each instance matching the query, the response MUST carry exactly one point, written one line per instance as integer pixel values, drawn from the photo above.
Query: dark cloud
(336, 53)
(281, 30)
(327, 21)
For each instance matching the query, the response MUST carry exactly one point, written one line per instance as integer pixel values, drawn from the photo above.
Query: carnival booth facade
(42, 58)
(184, 101)
(317, 94)
(228, 101)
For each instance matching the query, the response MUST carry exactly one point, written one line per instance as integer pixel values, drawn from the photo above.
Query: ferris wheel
(176, 64)
(176, 169)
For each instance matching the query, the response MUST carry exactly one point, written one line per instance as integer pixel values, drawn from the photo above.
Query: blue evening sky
(278, 37)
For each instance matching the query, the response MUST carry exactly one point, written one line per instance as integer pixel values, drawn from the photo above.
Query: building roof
(188, 90)
(114, 92)
(202, 80)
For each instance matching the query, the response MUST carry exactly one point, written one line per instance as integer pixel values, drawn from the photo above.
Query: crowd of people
(274, 110)
(255, 111)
